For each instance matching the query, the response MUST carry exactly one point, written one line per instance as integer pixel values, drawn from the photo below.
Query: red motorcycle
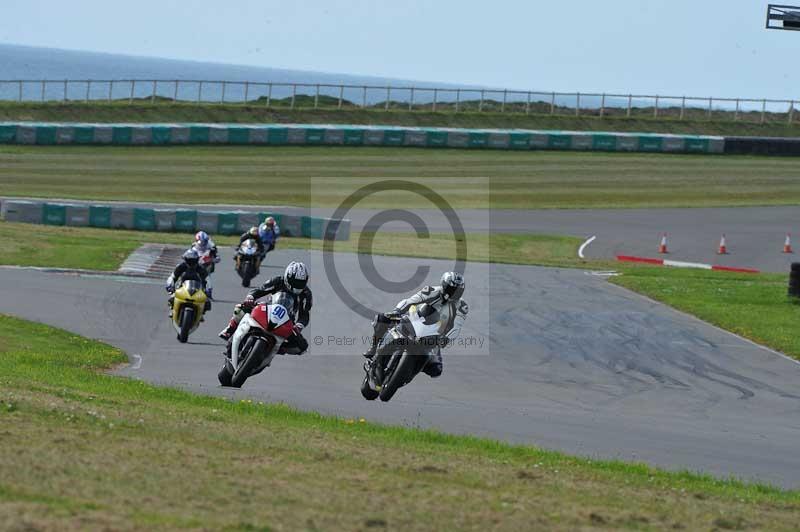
(257, 340)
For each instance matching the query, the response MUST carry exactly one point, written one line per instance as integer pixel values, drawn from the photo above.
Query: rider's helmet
(253, 231)
(270, 222)
(452, 286)
(201, 238)
(191, 258)
(295, 276)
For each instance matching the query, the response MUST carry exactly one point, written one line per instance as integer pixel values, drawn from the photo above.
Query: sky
(681, 47)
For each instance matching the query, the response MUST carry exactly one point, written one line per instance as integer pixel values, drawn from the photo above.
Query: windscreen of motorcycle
(192, 287)
(248, 247)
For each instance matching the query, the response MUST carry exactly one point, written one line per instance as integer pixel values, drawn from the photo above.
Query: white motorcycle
(257, 340)
(403, 352)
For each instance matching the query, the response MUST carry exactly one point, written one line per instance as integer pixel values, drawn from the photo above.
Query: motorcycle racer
(204, 245)
(269, 232)
(188, 270)
(294, 281)
(252, 234)
(445, 298)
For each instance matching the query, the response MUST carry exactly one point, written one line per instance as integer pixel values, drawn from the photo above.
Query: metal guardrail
(385, 97)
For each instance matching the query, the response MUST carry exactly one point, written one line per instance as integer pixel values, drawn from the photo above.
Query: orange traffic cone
(662, 247)
(723, 249)
(787, 244)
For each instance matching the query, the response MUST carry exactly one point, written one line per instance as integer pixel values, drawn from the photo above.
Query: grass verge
(82, 449)
(468, 179)
(753, 306)
(172, 112)
(104, 249)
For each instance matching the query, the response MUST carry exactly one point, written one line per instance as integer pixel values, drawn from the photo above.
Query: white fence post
(655, 108)
(294, 95)
(630, 104)
(736, 113)
(411, 100)
(42, 90)
(88, 89)
(553, 104)
(222, 96)
(683, 107)
(505, 97)
(458, 99)
(269, 95)
(435, 92)
(577, 104)
(364, 98)
(200, 91)
(710, 104)
(791, 111)
(316, 97)
(602, 105)
(341, 96)
(480, 104)
(388, 98)
(528, 104)
(763, 110)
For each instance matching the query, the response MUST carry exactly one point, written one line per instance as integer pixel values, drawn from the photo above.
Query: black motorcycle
(247, 261)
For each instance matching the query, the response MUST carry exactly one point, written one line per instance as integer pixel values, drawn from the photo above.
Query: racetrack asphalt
(570, 362)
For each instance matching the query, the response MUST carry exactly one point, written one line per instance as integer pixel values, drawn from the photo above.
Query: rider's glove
(393, 314)
(298, 328)
(248, 303)
(170, 289)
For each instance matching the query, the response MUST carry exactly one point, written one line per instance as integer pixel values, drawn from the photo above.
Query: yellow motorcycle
(188, 306)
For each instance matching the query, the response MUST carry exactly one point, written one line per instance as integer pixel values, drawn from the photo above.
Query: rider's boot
(228, 331)
(380, 325)
(434, 366)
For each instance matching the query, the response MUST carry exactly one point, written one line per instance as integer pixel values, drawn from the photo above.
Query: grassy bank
(280, 113)
(323, 176)
(84, 450)
(104, 249)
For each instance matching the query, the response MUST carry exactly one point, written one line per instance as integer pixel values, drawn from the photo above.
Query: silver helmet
(295, 277)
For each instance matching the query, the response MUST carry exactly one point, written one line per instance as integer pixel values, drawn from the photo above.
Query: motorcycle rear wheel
(224, 376)
(368, 393)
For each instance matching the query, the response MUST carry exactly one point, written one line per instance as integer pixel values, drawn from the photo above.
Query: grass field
(169, 112)
(84, 450)
(284, 176)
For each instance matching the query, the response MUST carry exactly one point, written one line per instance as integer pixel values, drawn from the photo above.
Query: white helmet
(452, 286)
(295, 277)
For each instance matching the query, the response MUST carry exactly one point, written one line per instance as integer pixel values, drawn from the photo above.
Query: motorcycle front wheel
(402, 373)
(253, 359)
(187, 320)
